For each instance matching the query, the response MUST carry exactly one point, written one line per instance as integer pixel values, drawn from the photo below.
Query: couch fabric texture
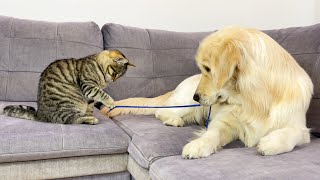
(151, 140)
(141, 145)
(302, 163)
(113, 176)
(64, 167)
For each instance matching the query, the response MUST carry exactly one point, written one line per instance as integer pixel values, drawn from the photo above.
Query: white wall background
(317, 10)
(177, 15)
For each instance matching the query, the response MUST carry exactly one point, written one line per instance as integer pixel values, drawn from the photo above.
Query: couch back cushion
(165, 58)
(27, 47)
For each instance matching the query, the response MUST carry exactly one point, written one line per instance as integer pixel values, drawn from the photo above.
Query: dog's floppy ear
(233, 55)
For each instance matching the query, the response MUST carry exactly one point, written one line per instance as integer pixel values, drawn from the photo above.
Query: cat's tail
(156, 101)
(20, 111)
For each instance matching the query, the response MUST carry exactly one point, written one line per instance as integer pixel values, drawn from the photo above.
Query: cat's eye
(206, 68)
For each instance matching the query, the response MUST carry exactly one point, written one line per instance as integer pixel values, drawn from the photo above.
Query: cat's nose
(196, 97)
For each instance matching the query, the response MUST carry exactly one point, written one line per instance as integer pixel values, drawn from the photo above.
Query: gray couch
(131, 146)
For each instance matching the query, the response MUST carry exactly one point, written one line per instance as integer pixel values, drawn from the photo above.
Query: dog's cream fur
(258, 92)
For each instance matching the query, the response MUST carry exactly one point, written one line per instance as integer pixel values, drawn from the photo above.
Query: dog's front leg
(220, 132)
(283, 140)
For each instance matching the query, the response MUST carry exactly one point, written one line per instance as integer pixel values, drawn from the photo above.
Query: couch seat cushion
(243, 163)
(152, 140)
(24, 140)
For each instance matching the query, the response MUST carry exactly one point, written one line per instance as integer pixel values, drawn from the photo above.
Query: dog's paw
(177, 122)
(198, 148)
(115, 112)
(105, 110)
(271, 145)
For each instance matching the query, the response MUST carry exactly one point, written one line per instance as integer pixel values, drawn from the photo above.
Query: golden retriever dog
(258, 93)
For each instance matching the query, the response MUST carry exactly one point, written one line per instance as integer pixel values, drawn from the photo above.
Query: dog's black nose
(196, 97)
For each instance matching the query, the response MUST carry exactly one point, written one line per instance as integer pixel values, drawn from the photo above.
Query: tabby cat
(68, 88)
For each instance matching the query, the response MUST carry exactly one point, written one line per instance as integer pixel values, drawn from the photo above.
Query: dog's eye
(206, 68)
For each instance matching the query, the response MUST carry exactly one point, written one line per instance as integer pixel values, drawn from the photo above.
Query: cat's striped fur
(68, 89)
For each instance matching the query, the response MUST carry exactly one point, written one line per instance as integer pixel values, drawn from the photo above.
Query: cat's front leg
(108, 101)
(91, 91)
(104, 98)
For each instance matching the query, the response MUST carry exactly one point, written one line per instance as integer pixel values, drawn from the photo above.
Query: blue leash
(162, 107)
(208, 118)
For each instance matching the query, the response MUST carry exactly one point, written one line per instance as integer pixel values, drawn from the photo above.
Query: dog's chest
(251, 132)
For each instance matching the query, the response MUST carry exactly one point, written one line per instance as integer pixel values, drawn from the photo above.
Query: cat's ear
(123, 61)
(129, 64)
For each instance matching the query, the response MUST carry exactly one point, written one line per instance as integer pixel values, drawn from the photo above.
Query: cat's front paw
(92, 121)
(109, 104)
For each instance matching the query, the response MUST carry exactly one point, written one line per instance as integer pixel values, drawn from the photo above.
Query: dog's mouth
(207, 101)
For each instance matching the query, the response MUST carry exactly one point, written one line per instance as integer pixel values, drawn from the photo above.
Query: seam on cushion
(149, 38)
(305, 53)
(140, 153)
(159, 76)
(7, 72)
(141, 90)
(20, 71)
(118, 122)
(289, 35)
(56, 37)
(64, 150)
(145, 49)
(177, 75)
(105, 37)
(155, 174)
(159, 157)
(314, 71)
(152, 60)
(124, 76)
(10, 39)
(126, 127)
(60, 41)
(62, 139)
